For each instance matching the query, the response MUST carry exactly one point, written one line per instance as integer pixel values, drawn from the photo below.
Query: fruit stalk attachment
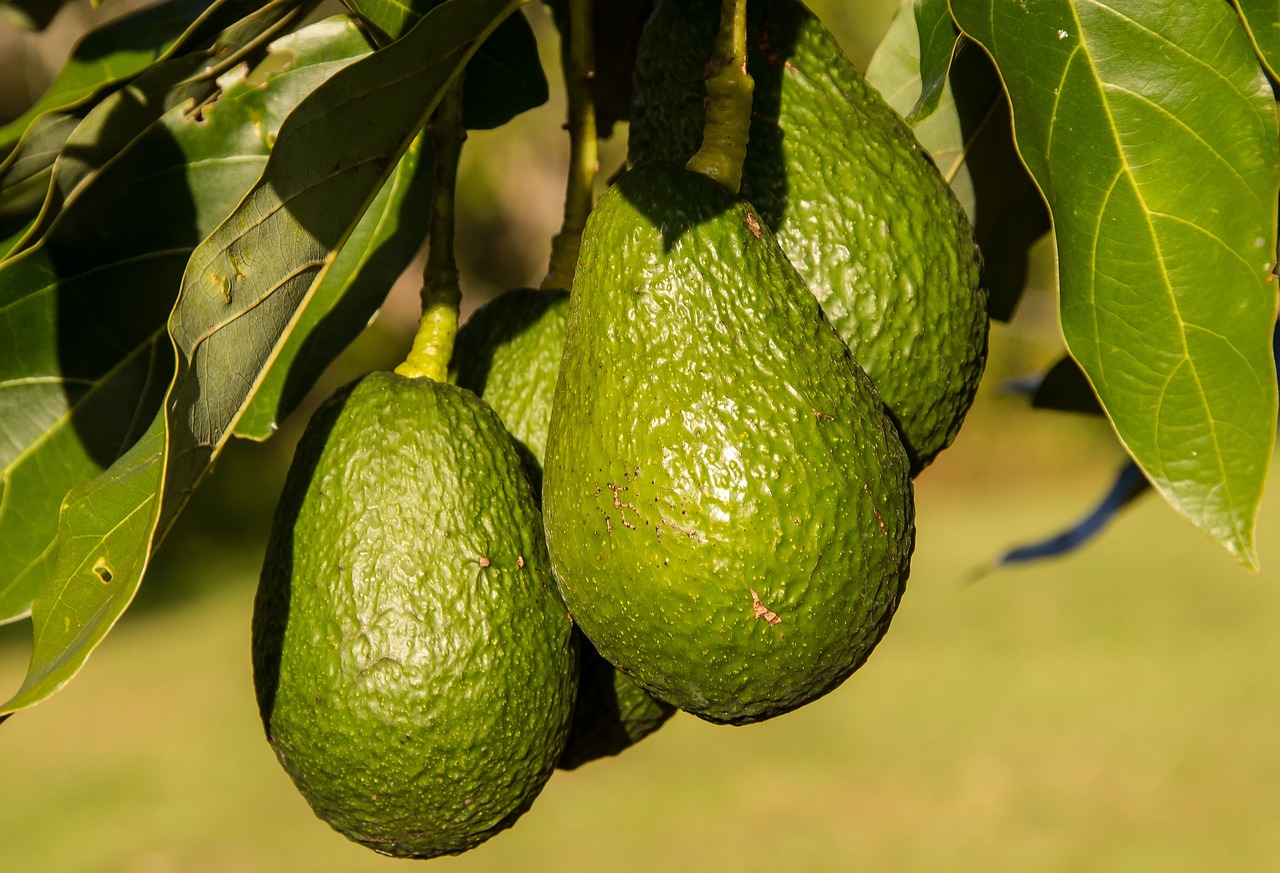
(729, 88)
(577, 55)
(441, 293)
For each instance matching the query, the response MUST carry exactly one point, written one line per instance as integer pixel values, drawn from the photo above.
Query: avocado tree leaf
(896, 72)
(379, 249)
(969, 135)
(1151, 131)
(122, 48)
(1065, 388)
(112, 122)
(242, 291)
(615, 32)
(1262, 20)
(503, 79)
(937, 38)
(25, 173)
(86, 307)
(894, 68)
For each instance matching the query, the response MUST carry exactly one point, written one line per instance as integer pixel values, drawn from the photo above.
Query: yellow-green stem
(441, 294)
(729, 87)
(577, 56)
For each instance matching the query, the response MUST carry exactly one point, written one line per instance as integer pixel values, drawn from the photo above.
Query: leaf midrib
(1167, 284)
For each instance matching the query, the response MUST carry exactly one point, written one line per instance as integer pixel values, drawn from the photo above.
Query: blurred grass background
(1117, 710)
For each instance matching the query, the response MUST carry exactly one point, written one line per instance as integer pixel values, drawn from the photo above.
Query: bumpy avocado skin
(853, 199)
(728, 509)
(509, 353)
(415, 667)
(612, 713)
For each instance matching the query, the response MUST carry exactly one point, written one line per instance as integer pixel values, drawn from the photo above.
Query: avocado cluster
(684, 483)
(853, 200)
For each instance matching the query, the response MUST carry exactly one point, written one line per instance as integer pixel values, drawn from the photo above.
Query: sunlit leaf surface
(1151, 130)
(240, 293)
(85, 308)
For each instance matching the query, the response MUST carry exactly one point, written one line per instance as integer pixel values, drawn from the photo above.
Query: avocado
(854, 201)
(415, 667)
(509, 353)
(728, 508)
(612, 714)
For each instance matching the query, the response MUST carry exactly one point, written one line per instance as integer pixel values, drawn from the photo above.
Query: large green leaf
(505, 76)
(121, 49)
(1262, 18)
(897, 72)
(1151, 130)
(25, 175)
(242, 291)
(116, 119)
(373, 257)
(86, 307)
(937, 43)
(969, 136)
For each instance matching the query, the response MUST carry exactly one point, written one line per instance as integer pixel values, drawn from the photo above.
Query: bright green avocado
(855, 202)
(415, 667)
(509, 353)
(728, 508)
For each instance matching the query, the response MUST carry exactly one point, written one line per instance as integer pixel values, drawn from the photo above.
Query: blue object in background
(1128, 484)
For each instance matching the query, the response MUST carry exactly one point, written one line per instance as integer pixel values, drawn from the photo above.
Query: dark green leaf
(1262, 18)
(938, 37)
(970, 137)
(87, 305)
(616, 26)
(241, 292)
(1010, 216)
(115, 51)
(377, 252)
(122, 115)
(1065, 388)
(504, 78)
(1151, 130)
(25, 173)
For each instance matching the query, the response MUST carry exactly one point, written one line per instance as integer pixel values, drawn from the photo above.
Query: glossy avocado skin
(415, 667)
(728, 509)
(509, 353)
(853, 199)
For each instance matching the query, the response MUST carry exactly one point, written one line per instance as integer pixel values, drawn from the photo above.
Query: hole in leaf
(103, 571)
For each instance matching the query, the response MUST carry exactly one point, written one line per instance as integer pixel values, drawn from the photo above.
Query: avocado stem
(729, 88)
(441, 294)
(577, 57)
